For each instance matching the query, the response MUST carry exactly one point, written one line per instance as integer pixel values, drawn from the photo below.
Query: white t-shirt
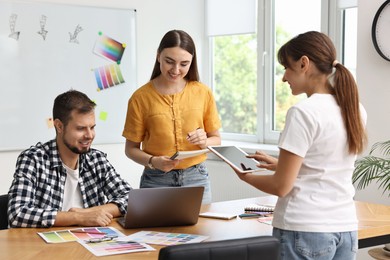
(72, 192)
(321, 199)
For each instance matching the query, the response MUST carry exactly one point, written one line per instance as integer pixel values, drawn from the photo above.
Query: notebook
(259, 208)
(161, 207)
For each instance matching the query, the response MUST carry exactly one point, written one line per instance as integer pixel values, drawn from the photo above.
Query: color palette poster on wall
(163, 238)
(109, 75)
(47, 49)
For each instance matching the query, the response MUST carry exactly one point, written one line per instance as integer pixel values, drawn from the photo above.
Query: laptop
(162, 207)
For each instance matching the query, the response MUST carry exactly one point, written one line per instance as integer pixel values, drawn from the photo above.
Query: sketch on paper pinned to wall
(47, 49)
(43, 32)
(12, 22)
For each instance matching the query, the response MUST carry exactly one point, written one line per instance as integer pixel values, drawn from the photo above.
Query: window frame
(331, 23)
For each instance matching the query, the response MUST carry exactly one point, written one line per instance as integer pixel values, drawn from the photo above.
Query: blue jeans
(313, 245)
(196, 175)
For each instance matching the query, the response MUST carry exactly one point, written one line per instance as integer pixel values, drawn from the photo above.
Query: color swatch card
(265, 220)
(162, 238)
(109, 48)
(108, 76)
(115, 247)
(60, 236)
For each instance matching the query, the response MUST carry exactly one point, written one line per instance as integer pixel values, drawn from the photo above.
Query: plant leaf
(383, 147)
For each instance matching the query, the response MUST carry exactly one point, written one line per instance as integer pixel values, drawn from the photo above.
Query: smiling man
(65, 182)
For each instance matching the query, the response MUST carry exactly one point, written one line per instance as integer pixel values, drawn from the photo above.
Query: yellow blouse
(161, 122)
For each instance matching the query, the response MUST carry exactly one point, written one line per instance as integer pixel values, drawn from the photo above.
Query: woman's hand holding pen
(270, 162)
(198, 137)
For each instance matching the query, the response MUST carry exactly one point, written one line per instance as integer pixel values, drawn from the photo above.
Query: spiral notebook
(259, 208)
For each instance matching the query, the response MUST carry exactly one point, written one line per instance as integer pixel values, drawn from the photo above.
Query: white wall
(372, 77)
(154, 18)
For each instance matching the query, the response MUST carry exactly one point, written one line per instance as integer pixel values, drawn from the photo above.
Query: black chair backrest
(263, 247)
(3, 211)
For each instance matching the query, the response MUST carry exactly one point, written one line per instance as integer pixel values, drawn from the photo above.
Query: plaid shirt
(37, 191)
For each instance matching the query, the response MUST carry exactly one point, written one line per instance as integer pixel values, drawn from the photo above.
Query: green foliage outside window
(235, 82)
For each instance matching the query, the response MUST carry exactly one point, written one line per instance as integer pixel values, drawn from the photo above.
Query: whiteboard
(47, 49)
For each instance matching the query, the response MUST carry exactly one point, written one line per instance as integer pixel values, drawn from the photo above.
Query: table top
(24, 243)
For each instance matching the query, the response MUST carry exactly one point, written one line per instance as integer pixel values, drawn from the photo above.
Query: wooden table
(374, 224)
(24, 243)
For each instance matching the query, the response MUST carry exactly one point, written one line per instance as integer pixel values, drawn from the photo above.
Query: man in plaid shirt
(65, 182)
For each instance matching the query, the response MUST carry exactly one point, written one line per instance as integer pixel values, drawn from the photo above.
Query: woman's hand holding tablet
(236, 158)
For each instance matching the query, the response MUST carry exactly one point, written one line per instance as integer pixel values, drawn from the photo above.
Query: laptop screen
(165, 206)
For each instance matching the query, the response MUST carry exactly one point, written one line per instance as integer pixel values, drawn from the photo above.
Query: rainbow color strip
(109, 48)
(108, 76)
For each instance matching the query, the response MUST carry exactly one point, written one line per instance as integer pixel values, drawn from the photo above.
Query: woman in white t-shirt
(315, 216)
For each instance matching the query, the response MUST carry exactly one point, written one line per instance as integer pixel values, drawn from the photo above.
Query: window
(349, 33)
(235, 82)
(291, 18)
(246, 77)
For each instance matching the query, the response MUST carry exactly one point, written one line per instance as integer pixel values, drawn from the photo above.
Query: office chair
(259, 248)
(3, 211)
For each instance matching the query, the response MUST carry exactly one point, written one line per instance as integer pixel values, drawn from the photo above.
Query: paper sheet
(162, 238)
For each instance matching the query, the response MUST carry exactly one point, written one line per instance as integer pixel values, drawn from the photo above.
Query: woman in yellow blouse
(172, 112)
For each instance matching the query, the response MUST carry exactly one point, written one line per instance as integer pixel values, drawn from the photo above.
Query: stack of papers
(121, 244)
(83, 235)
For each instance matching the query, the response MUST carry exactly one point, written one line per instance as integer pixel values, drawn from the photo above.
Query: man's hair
(71, 100)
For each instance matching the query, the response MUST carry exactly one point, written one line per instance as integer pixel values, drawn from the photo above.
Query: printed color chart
(162, 238)
(114, 247)
(109, 48)
(108, 76)
(70, 235)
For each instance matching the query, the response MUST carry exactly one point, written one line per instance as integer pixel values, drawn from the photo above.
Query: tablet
(218, 215)
(236, 158)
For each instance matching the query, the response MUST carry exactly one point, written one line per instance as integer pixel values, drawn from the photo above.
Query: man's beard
(74, 149)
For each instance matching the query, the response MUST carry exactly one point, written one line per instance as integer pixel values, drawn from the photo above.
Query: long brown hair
(320, 50)
(178, 38)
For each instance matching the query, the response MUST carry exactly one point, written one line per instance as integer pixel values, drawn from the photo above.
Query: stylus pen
(88, 232)
(174, 156)
(188, 135)
(249, 215)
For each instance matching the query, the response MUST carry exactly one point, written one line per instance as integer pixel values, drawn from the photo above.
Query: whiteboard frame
(34, 69)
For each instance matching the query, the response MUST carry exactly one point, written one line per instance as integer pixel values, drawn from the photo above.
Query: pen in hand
(189, 136)
(173, 157)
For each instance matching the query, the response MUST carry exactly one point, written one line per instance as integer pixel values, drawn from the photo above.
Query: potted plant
(374, 167)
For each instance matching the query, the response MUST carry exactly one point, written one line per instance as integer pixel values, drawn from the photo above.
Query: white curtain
(226, 17)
